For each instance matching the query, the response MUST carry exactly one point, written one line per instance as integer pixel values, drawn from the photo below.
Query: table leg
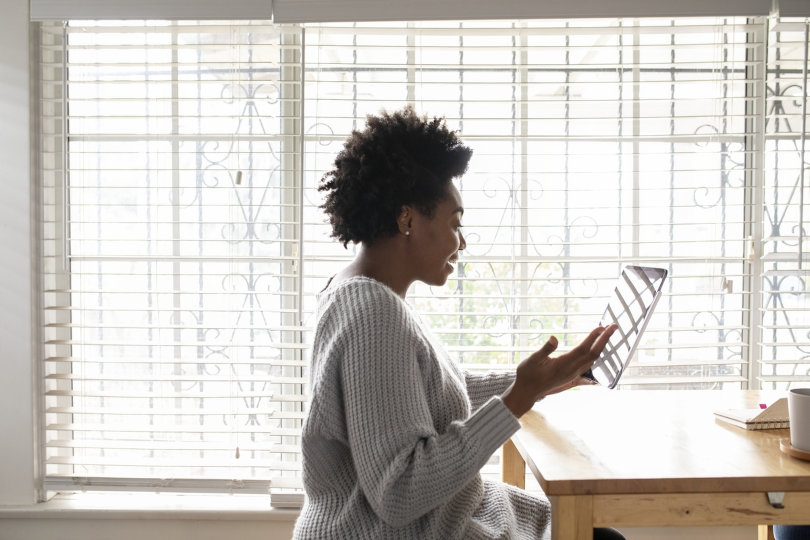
(571, 517)
(765, 532)
(513, 468)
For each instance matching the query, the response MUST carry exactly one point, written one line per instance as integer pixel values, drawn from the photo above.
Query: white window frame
(755, 182)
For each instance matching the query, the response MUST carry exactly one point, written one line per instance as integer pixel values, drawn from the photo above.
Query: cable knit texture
(396, 433)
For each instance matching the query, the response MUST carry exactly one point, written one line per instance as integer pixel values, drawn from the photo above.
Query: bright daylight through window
(183, 245)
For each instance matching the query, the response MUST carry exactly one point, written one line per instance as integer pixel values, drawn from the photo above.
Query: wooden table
(648, 458)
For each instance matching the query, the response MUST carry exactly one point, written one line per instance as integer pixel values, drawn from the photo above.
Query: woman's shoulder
(359, 313)
(361, 290)
(362, 302)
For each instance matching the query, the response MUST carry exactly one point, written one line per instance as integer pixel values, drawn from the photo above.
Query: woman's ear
(405, 220)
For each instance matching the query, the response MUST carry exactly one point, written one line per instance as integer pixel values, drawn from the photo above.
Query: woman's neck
(383, 261)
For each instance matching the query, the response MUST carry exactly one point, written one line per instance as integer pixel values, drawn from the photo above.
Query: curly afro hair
(399, 159)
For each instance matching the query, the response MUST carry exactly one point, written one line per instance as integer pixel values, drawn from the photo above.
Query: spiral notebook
(773, 417)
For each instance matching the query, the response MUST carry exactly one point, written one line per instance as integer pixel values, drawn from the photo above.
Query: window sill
(152, 506)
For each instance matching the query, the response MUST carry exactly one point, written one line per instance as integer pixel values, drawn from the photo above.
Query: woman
(396, 433)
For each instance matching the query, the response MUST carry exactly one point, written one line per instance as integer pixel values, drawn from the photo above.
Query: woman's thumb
(548, 347)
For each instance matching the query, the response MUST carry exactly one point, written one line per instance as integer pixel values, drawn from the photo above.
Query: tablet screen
(630, 306)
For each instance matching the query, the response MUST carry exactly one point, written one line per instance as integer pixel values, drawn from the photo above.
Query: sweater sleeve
(482, 386)
(404, 466)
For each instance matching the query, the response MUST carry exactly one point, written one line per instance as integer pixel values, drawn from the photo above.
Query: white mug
(799, 413)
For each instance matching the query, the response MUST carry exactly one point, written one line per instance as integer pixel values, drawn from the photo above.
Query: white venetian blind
(173, 349)
(597, 144)
(183, 244)
(785, 306)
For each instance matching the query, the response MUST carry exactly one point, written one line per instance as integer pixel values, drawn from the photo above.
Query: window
(173, 350)
(183, 245)
(785, 351)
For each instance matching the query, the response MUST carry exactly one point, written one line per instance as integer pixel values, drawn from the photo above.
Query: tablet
(630, 306)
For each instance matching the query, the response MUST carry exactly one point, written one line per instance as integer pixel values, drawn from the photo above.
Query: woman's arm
(482, 386)
(404, 466)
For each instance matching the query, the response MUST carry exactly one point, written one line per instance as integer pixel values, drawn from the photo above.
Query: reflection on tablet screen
(630, 306)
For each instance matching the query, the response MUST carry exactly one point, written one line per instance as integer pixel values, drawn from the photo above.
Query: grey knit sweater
(396, 433)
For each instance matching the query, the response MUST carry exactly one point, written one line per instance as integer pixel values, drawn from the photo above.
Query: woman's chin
(440, 278)
(438, 281)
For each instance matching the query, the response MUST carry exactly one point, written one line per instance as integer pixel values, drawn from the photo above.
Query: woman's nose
(462, 243)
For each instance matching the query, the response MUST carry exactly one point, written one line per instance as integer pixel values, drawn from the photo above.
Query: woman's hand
(579, 381)
(540, 375)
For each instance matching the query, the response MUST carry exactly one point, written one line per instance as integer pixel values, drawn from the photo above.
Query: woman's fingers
(597, 339)
(595, 342)
(583, 355)
(602, 338)
(548, 347)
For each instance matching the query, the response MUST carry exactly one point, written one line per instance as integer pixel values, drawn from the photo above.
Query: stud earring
(407, 233)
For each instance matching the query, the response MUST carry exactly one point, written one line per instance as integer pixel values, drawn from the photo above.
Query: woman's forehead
(453, 201)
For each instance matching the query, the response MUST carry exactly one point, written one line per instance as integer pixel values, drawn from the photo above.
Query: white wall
(16, 389)
(19, 516)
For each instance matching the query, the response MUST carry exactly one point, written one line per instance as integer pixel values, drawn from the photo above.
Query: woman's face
(435, 241)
